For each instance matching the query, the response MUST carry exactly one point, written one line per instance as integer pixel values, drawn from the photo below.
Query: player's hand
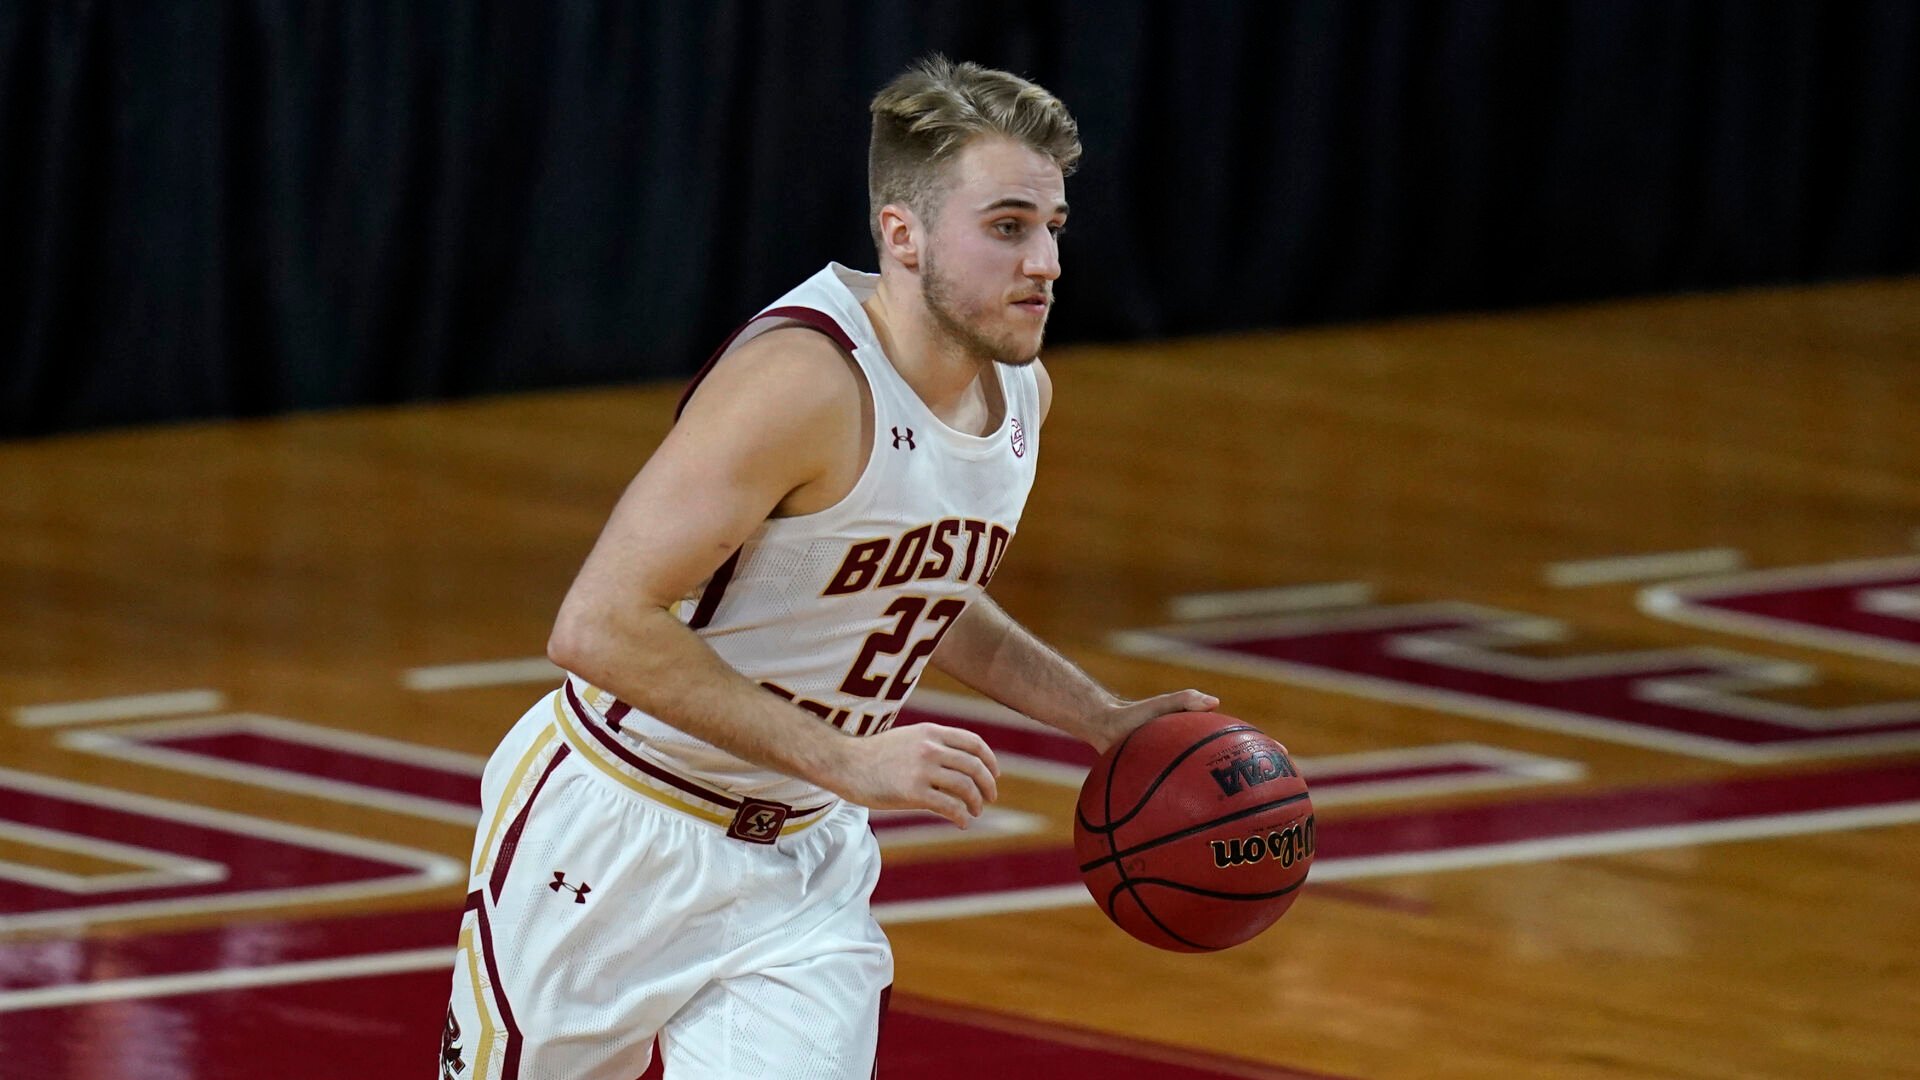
(949, 771)
(1128, 715)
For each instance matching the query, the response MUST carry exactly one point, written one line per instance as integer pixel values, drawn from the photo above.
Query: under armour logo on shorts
(758, 822)
(579, 891)
(902, 435)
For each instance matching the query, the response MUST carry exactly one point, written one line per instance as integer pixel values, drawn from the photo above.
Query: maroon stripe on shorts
(510, 1067)
(512, 840)
(617, 713)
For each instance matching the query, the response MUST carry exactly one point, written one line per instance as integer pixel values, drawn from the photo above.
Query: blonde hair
(926, 116)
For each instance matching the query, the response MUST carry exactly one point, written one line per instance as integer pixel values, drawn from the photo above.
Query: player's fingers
(967, 741)
(1182, 701)
(947, 807)
(963, 786)
(976, 770)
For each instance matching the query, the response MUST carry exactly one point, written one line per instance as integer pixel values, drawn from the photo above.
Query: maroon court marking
(1837, 605)
(62, 961)
(287, 752)
(387, 1027)
(1365, 649)
(269, 750)
(384, 1026)
(252, 862)
(1831, 607)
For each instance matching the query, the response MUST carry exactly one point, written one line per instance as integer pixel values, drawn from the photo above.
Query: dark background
(218, 209)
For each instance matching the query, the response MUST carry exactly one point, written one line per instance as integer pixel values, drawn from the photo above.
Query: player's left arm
(990, 652)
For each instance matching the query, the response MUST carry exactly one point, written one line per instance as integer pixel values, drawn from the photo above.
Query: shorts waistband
(744, 818)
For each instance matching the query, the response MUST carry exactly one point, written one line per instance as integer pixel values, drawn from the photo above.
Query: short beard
(947, 317)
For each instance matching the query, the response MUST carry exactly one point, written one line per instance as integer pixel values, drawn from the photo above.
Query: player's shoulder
(791, 371)
(1044, 382)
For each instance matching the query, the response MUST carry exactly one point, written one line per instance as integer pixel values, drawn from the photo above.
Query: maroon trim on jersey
(510, 1064)
(812, 318)
(614, 746)
(617, 713)
(511, 842)
(716, 588)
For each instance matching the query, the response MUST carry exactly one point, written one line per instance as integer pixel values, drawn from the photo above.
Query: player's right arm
(776, 425)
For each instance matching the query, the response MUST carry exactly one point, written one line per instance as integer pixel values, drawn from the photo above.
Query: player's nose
(1043, 259)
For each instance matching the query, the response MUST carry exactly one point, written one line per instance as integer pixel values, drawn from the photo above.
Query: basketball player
(674, 843)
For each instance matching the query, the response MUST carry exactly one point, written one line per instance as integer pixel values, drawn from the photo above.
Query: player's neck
(939, 369)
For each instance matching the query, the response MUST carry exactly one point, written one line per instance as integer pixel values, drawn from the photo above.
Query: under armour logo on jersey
(579, 891)
(902, 435)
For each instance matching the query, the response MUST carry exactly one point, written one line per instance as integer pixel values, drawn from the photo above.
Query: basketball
(1195, 832)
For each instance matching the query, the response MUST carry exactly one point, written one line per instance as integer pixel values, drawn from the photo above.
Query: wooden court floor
(1582, 815)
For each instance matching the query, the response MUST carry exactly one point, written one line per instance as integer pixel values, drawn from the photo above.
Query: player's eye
(1056, 230)
(1007, 228)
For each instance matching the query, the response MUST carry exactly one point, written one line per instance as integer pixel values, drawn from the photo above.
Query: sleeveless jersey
(837, 610)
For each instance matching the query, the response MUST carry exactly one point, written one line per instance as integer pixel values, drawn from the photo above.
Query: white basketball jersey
(837, 610)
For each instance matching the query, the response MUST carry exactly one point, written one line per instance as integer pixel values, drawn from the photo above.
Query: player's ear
(900, 234)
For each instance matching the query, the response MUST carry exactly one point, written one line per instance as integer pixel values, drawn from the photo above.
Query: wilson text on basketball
(1288, 845)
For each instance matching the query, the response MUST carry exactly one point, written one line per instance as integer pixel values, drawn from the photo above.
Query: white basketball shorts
(598, 919)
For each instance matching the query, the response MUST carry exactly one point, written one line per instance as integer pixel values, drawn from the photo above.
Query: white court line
(1161, 644)
(132, 743)
(416, 870)
(1620, 841)
(162, 869)
(998, 903)
(1509, 762)
(1058, 773)
(1223, 605)
(1893, 603)
(196, 982)
(1513, 768)
(131, 707)
(1053, 896)
(1693, 603)
(914, 828)
(968, 707)
(1654, 567)
(530, 669)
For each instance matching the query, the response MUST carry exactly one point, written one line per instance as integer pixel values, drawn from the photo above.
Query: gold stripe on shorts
(590, 749)
(469, 954)
(512, 789)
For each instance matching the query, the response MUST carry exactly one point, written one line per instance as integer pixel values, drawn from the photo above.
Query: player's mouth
(1032, 305)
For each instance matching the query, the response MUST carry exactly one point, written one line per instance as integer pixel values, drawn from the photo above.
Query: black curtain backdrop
(219, 209)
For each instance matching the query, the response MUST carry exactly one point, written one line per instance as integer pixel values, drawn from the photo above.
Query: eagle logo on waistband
(758, 822)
